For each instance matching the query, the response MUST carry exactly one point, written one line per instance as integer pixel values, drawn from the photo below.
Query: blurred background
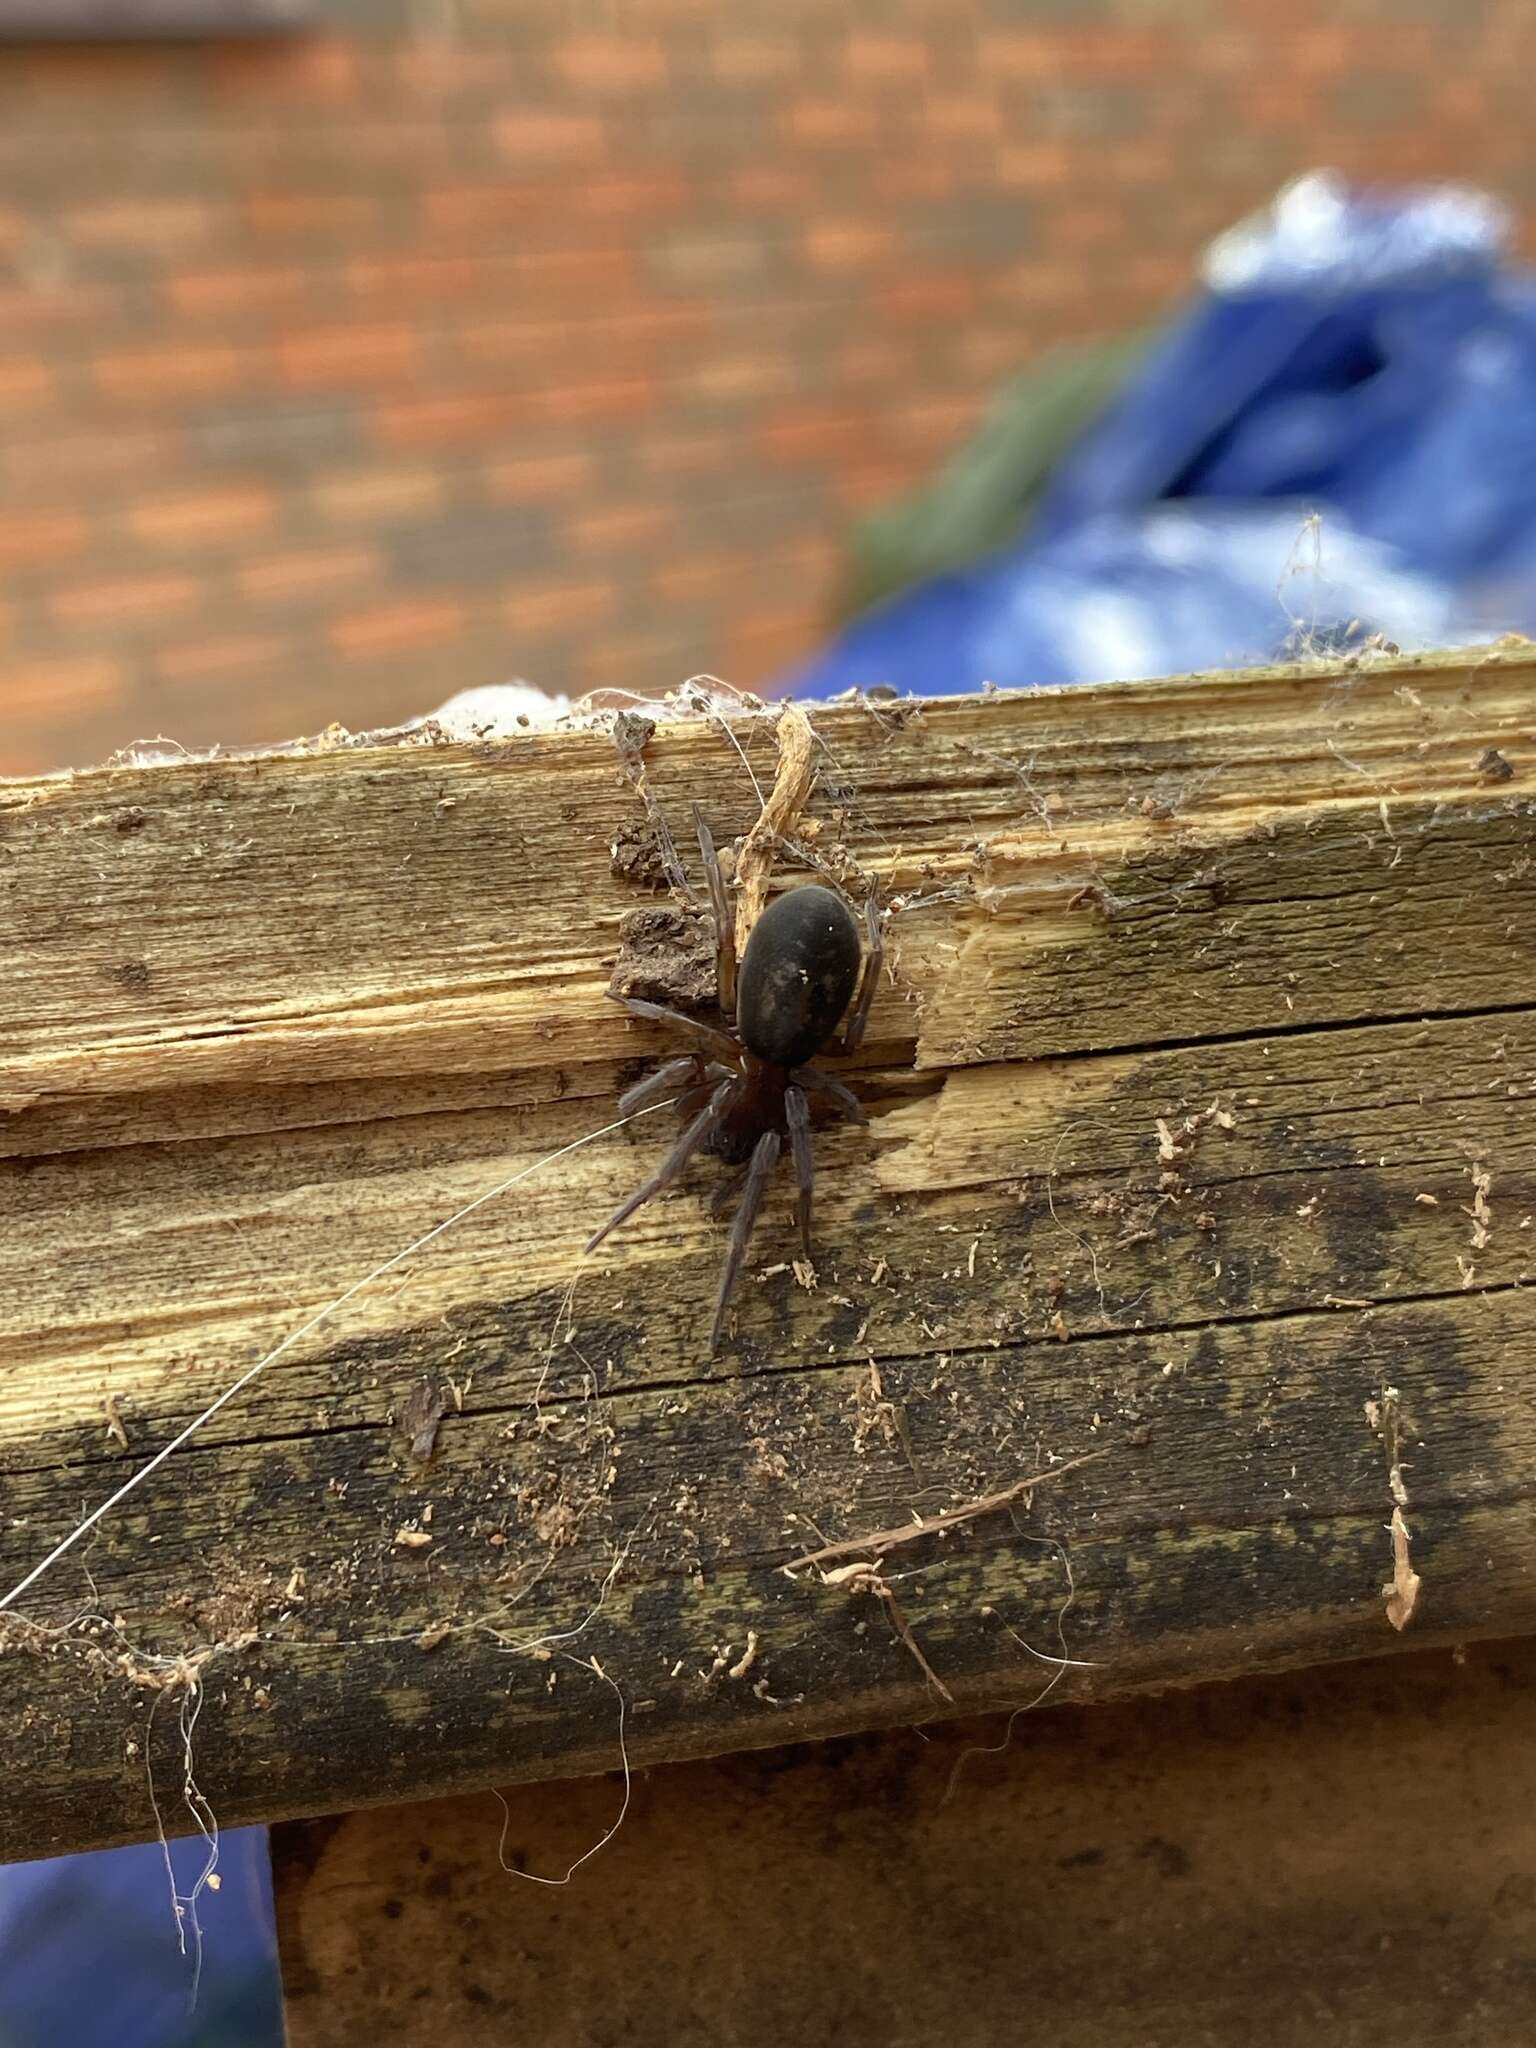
(355, 352)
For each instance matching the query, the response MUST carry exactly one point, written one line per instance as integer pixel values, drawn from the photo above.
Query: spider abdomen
(797, 975)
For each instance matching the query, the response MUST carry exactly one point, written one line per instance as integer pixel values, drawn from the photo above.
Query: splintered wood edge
(1177, 938)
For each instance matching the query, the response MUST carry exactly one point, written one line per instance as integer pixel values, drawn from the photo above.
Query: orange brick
(1283, 106)
(630, 338)
(433, 279)
(59, 685)
(484, 208)
(1333, 49)
(608, 65)
(766, 185)
(208, 518)
(513, 341)
(168, 372)
(857, 491)
(217, 294)
(325, 358)
(378, 497)
(307, 575)
(1156, 277)
(43, 308)
(817, 434)
(742, 379)
(111, 72)
(991, 354)
(1086, 226)
(303, 71)
(757, 60)
(435, 68)
(553, 608)
(814, 123)
(876, 359)
(152, 225)
(457, 420)
(637, 193)
(537, 476)
(760, 643)
(25, 384)
(672, 457)
(466, 417)
(537, 134)
(967, 117)
(621, 529)
(192, 664)
(1035, 166)
(338, 214)
(29, 758)
(1022, 54)
(932, 425)
(700, 576)
(1122, 50)
(609, 401)
(125, 601)
(928, 297)
(872, 59)
(644, 658)
(590, 277)
(904, 177)
(403, 625)
(66, 463)
(1151, 159)
(36, 540)
(834, 245)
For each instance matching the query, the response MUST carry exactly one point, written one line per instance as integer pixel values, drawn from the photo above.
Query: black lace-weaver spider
(746, 1089)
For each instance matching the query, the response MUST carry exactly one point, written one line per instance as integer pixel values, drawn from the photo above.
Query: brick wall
(341, 371)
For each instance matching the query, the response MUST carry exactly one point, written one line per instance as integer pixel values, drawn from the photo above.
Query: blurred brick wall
(342, 371)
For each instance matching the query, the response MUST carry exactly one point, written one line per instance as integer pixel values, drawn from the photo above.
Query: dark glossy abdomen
(797, 975)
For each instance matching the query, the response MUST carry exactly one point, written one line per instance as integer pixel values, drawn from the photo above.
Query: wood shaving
(421, 1415)
(747, 1658)
(1401, 1592)
(1480, 1212)
(881, 1540)
(115, 1429)
(777, 820)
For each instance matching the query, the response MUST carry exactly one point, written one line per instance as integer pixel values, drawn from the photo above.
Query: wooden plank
(1343, 1855)
(1200, 1115)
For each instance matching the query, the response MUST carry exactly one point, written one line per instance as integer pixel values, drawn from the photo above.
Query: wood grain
(1342, 1855)
(1200, 1113)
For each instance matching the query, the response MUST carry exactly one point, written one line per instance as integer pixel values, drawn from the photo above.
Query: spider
(745, 1090)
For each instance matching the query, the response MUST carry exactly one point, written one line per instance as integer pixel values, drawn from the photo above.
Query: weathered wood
(1340, 1855)
(1201, 1114)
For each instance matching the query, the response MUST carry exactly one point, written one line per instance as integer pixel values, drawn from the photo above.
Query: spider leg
(725, 924)
(869, 981)
(709, 1038)
(815, 1082)
(765, 1157)
(797, 1114)
(690, 1141)
(673, 1074)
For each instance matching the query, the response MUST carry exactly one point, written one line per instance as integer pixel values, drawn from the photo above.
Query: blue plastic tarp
(1338, 441)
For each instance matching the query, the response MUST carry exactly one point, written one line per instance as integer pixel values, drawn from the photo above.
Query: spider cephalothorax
(746, 1088)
